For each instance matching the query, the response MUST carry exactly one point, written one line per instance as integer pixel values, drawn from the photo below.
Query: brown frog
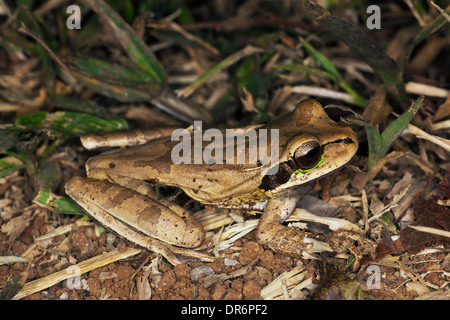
(117, 192)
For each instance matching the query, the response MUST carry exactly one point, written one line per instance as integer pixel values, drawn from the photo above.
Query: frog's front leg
(139, 218)
(272, 233)
(293, 241)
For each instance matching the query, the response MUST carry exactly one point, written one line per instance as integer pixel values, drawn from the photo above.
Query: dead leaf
(444, 185)
(428, 214)
(443, 110)
(14, 227)
(378, 109)
(143, 288)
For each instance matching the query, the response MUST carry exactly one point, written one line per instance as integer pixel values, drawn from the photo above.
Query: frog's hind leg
(135, 216)
(130, 183)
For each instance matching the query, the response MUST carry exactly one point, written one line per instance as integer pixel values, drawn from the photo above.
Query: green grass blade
(103, 69)
(333, 73)
(379, 144)
(324, 62)
(393, 131)
(425, 32)
(136, 49)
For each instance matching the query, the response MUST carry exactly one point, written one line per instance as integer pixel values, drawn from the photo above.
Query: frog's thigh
(272, 233)
(141, 213)
(127, 182)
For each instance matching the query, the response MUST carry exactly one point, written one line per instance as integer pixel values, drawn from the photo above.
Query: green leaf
(225, 63)
(62, 205)
(123, 83)
(26, 17)
(393, 131)
(73, 122)
(9, 165)
(124, 91)
(81, 105)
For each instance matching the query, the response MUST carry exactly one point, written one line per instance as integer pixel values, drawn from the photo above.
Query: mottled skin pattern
(117, 185)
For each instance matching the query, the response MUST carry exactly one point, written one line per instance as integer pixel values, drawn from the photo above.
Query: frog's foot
(357, 244)
(175, 255)
(291, 241)
(280, 238)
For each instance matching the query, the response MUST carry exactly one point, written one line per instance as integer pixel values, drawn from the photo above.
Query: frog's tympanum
(119, 193)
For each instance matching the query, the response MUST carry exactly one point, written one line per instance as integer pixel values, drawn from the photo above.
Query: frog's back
(153, 162)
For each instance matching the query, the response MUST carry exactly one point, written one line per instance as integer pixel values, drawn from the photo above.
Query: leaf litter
(399, 204)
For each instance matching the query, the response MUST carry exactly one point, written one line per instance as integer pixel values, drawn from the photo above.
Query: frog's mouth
(291, 170)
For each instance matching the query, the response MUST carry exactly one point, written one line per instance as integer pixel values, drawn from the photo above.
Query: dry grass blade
(325, 93)
(425, 89)
(64, 229)
(435, 231)
(234, 232)
(332, 223)
(227, 62)
(12, 259)
(170, 25)
(392, 204)
(287, 285)
(443, 143)
(446, 15)
(85, 266)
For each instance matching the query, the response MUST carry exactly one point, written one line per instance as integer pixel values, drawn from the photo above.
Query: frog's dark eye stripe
(305, 157)
(341, 141)
(270, 182)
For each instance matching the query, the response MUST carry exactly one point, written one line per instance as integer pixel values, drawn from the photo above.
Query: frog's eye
(308, 155)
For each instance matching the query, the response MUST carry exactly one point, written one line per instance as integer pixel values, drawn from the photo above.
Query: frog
(118, 190)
